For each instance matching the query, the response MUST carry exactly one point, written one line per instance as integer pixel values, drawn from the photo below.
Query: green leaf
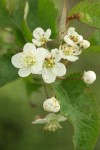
(89, 12)
(5, 19)
(7, 72)
(95, 39)
(79, 105)
(47, 15)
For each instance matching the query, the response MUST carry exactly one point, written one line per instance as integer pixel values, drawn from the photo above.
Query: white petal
(68, 40)
(72, 58)
(62, 54)
(71, 30)
(16, 60)
(36, 68)
(80, 38)
(47, 33)
(24, 72)
(59, 69)
(84, 44)
(38, 33)
(55, 53)
(61, 118)
(51, 116)
(77, 52)
(41, 53)
(29, 47)
(36, 42)
(48, 75)
(39, 121)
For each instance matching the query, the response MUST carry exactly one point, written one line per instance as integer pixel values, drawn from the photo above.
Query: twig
(62, 78)
(45, 89)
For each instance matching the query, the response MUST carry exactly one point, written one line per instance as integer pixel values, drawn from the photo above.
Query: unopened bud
(89, 77)
(51, 105)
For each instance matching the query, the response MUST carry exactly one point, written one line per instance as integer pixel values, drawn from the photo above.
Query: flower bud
(51, 105)
(84, 44)
(89, 77)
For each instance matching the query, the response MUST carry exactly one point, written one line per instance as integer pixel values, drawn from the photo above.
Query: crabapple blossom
(69, 52)
(52, 67)
(72, 37)
(51, 105)
(30, 60)
(89, 77)
(51, 121)
(41, 37)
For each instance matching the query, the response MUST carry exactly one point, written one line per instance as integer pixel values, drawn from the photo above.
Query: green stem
(45, 89)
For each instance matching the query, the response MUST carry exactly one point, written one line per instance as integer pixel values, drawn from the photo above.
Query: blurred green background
(20, 104)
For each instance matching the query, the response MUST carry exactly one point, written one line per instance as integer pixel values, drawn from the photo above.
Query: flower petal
(38, 33)
(24, 72)
(36, 68)
(48, 75)
(80, 39)
(68, 40)
(59, 69)
(61, 118)
(72, 58)
(51, 116)
(29, 47)
(55, 53)
(71, 30)
(36, 42)
(77, 52)
(16, 60)
(47, 33)
(41, 53)
(39, 121)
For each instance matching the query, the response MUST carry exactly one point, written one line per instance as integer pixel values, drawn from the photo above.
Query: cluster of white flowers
(36, 59)
(73, 45)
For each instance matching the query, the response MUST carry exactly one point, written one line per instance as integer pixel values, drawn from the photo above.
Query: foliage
(88, 12)
(77, 101)
(80, 106)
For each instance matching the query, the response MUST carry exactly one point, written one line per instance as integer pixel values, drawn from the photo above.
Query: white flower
(69, 52)
(72, 37)
(41, 37)
(51, 105)
(84, 44)
(30, 60)
(89, 77)
(52, 67)
(51, 121)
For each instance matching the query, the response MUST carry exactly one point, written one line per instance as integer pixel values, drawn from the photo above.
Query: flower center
(67, 50)
(52, 125)
(43, 40)
(74, 38)
(49, 62)
(28, 60)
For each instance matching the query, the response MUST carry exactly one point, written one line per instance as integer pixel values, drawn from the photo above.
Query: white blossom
(52, 67)
(84, 44)
(89, 77)
(41, 37)
(30, 60)
(51, 105)
(72, 37)
(69, 52)
(51, 121)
